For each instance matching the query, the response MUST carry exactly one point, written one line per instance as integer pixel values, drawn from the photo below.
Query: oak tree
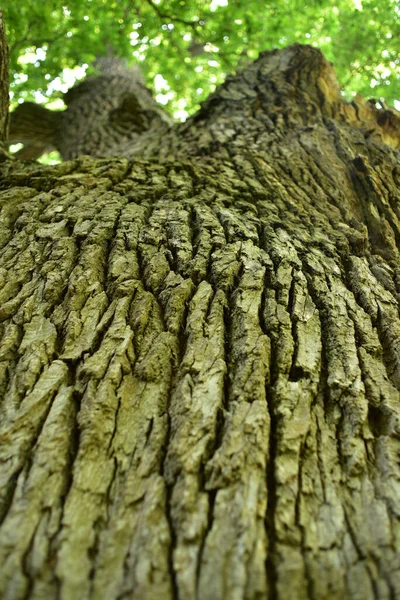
(200, 333)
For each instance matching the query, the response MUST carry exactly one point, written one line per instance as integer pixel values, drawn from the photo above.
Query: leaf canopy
(186, 47)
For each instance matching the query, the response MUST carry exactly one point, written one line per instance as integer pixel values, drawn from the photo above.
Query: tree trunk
(200, 355)
(3, 90)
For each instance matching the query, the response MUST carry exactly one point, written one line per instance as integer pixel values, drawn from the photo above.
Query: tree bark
(3, 90)
(104, 115)
(200, 354)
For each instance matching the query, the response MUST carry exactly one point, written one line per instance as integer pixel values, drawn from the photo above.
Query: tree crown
(186, 47)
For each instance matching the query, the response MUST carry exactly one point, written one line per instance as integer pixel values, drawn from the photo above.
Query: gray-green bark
(104, 114)
(200, 355)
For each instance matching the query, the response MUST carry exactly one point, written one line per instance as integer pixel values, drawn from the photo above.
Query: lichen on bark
(199, 355)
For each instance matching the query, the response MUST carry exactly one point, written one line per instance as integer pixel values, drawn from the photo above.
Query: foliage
(187, 46)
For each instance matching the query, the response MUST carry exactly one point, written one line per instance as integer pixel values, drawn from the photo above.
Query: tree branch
(164, 16)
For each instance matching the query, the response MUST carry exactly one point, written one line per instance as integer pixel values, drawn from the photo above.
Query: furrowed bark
(200, 355)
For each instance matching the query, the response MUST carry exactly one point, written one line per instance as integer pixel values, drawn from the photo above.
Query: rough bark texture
(200, 355)
(103, 114)
(3, 90)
